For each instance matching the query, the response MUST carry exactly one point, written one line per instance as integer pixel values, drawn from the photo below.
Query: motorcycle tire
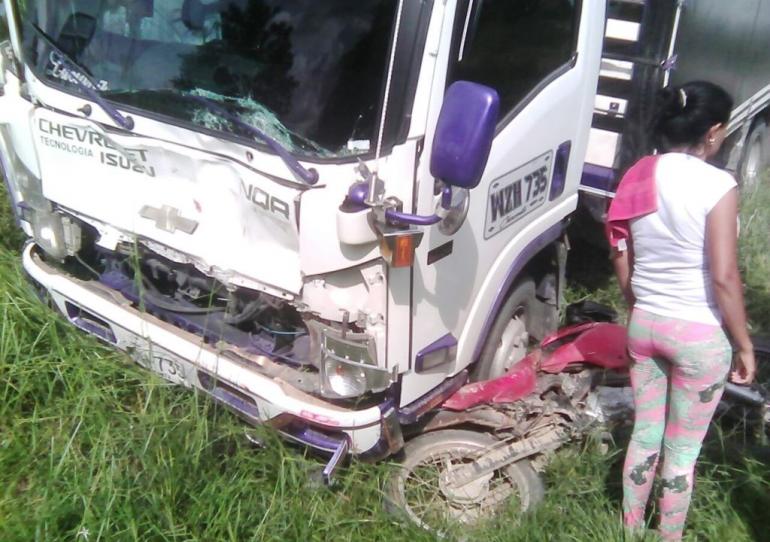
(415, 489)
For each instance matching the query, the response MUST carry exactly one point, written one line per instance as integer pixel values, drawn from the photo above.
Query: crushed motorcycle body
(487, 441)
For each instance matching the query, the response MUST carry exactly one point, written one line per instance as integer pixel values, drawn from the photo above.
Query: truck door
(543, 58)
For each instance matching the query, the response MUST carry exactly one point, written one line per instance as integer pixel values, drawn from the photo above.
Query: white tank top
(671, 270)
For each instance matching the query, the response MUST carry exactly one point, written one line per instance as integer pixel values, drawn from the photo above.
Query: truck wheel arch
(508, 338)
(532, 292)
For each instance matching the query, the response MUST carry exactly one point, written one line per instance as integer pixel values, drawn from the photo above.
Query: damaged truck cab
(326, 215)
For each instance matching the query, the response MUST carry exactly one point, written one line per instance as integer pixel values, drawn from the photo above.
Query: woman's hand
(744, 367)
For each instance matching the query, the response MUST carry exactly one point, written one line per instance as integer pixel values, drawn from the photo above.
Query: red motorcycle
(486, 444)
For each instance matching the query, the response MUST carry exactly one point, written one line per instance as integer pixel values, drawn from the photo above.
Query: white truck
(326, 215)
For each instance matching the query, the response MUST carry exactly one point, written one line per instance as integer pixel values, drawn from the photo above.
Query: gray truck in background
(649, 44)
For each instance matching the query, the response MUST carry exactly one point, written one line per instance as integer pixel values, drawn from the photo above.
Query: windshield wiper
(308, 176)
(124, 121)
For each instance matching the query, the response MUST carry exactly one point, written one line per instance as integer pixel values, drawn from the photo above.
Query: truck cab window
(309, 74)
(513, 46)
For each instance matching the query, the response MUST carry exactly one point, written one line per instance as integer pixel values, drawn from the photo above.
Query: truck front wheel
(509, 337)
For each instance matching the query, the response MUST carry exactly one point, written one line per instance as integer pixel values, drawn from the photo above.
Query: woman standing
(673, 229)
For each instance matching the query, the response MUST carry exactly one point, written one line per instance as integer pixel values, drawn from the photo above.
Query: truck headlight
(348, 368)
(55, 233)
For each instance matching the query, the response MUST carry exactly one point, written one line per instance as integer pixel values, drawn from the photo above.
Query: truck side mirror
(464, 134)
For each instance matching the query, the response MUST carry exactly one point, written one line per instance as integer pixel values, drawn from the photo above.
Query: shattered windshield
(309, 73)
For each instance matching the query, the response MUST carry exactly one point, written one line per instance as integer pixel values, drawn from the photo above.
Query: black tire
(439, 509)
(755, 160)
(518, 304)
(747, 419)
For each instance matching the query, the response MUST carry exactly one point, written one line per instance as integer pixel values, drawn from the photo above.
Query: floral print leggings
(678, 376)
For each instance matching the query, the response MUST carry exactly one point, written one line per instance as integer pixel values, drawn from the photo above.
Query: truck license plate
(517, 193)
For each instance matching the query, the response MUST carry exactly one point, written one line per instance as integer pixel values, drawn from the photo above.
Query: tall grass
(93, 448)
(90, 444)
(755, 253)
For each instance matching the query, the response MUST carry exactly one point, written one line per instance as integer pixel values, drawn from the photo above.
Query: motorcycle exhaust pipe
(744, 394)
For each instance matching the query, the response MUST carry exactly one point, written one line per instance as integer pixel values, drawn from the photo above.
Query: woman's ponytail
(684, 114)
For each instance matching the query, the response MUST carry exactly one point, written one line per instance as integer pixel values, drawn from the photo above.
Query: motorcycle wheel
(418, 491)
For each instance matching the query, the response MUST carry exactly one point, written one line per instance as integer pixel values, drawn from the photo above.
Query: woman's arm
(623, 262)
(721, 245)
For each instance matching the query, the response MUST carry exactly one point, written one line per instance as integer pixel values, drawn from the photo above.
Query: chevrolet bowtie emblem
(168, 219)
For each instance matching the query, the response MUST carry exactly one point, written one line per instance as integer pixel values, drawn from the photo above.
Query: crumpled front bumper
(181, 357)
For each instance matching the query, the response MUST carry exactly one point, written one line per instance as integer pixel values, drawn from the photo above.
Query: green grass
(89, 443)
(755, 254)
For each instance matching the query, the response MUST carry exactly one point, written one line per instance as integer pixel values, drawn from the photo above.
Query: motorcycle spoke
(431, 504)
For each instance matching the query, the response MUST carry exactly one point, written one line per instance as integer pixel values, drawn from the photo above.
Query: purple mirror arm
(414, 220)
(308, 176)
(358, 193)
